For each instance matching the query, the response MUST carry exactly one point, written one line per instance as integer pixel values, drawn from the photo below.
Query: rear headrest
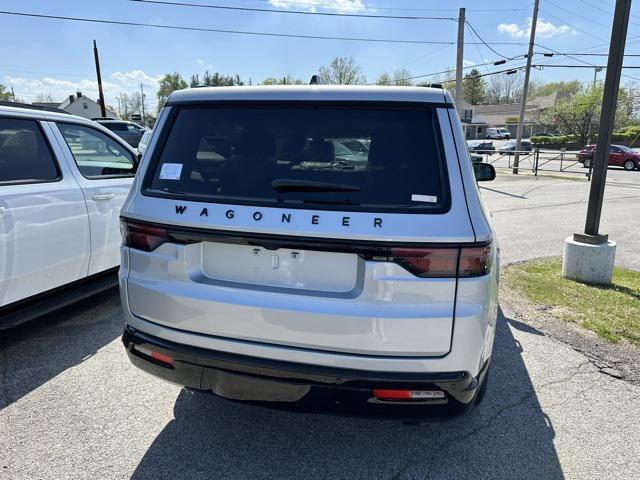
(383, 150)
(322, 151)
(24, 144)
(256, 142)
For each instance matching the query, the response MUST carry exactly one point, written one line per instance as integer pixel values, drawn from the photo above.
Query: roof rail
(32, 107)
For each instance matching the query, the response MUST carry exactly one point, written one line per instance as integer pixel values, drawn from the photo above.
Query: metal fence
(538, 160)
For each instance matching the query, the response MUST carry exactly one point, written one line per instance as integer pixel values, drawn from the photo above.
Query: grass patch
(611, 311)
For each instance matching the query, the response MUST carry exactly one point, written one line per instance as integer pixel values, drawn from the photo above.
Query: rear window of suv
(340, 157)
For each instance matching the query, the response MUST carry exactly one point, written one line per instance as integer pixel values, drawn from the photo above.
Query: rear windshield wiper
(287, 185)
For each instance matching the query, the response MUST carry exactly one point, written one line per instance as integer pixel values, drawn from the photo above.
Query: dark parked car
(130, 132)
(619, 156)
(510, 146)
(481, 146)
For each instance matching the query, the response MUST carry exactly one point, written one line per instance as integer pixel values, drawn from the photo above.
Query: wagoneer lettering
(292, 262)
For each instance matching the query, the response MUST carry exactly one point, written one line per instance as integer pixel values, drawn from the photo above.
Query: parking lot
(72, 406)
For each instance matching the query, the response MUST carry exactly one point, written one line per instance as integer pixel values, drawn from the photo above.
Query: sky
(55, 57)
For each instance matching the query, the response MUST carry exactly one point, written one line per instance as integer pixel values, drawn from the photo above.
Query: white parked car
(258, 267)
(498, 133)
(63, 180)
(144, 141)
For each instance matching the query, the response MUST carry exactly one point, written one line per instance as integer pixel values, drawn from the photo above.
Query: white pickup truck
(63, 180)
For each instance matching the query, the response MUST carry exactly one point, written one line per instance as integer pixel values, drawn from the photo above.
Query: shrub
(555, 140)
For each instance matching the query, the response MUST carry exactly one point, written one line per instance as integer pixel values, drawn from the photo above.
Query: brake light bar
(425, 262)
(141, 236)
(157, 356)
(407, 395)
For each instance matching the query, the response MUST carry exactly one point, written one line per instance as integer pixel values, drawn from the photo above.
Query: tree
(504, 88)
(384, 79)
(570, 87)
(45, 98)
(169, 83)
(402, 78)
(580, 114)
(342, 71)
(5, 95)
(217, 79)
(474, 87)
(288, 80)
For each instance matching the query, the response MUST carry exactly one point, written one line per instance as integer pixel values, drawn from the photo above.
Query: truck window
(235, 154)
(25, 156)
(95, 154)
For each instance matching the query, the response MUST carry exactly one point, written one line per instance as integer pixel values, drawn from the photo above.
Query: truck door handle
(103, 196)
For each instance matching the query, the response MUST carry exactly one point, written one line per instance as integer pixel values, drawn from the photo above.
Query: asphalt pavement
(71, 405)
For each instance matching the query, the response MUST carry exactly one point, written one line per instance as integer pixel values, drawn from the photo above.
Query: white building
(83, 106)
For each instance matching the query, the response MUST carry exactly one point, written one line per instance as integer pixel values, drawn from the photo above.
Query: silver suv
(263, 265)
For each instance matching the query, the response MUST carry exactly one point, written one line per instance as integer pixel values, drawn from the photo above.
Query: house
(477, 118)
(470, 125)
(83, 106)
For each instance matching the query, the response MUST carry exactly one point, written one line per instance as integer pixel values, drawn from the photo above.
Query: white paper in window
(170, 171)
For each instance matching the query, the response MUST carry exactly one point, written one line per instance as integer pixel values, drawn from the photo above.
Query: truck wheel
(587, 163)
(629, 165)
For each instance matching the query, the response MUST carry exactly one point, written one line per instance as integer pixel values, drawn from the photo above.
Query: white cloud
(341, 6)
(199, 61)
(129, 82)
(544, 29)
(468, 63)
(136, 77)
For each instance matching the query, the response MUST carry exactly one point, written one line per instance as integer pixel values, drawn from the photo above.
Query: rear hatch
(335, 227)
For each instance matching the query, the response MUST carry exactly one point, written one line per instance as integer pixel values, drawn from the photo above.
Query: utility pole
(13, 94)
(525, 87)
(103, 110)
(589, 256)
(119, 107)
(142, 102)
(460, 56)
(607, 117)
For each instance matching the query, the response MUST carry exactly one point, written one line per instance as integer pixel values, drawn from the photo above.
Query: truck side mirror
(484, 172)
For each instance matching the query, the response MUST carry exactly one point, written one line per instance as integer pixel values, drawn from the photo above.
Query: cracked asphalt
(71, 406)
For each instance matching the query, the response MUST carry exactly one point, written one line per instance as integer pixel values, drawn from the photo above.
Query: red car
(619, 156)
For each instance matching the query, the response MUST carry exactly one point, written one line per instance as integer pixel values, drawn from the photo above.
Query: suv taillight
(444, 262)
(141, 236)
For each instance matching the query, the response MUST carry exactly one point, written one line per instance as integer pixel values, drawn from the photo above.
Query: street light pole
(525, 87)
(595, 75)
(589, 256)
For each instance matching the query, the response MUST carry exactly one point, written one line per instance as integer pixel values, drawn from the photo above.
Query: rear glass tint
(327, 157)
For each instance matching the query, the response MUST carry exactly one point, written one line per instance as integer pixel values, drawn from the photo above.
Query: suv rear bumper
(299, 386)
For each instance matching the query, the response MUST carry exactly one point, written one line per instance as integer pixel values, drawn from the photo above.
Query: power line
(580, 66)
(585, 62)
(578, 54)
(237, 32)
(608, 12)
(424, 75)
(376, 8)
(483, 42)
(290, 12)
(578, 15)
